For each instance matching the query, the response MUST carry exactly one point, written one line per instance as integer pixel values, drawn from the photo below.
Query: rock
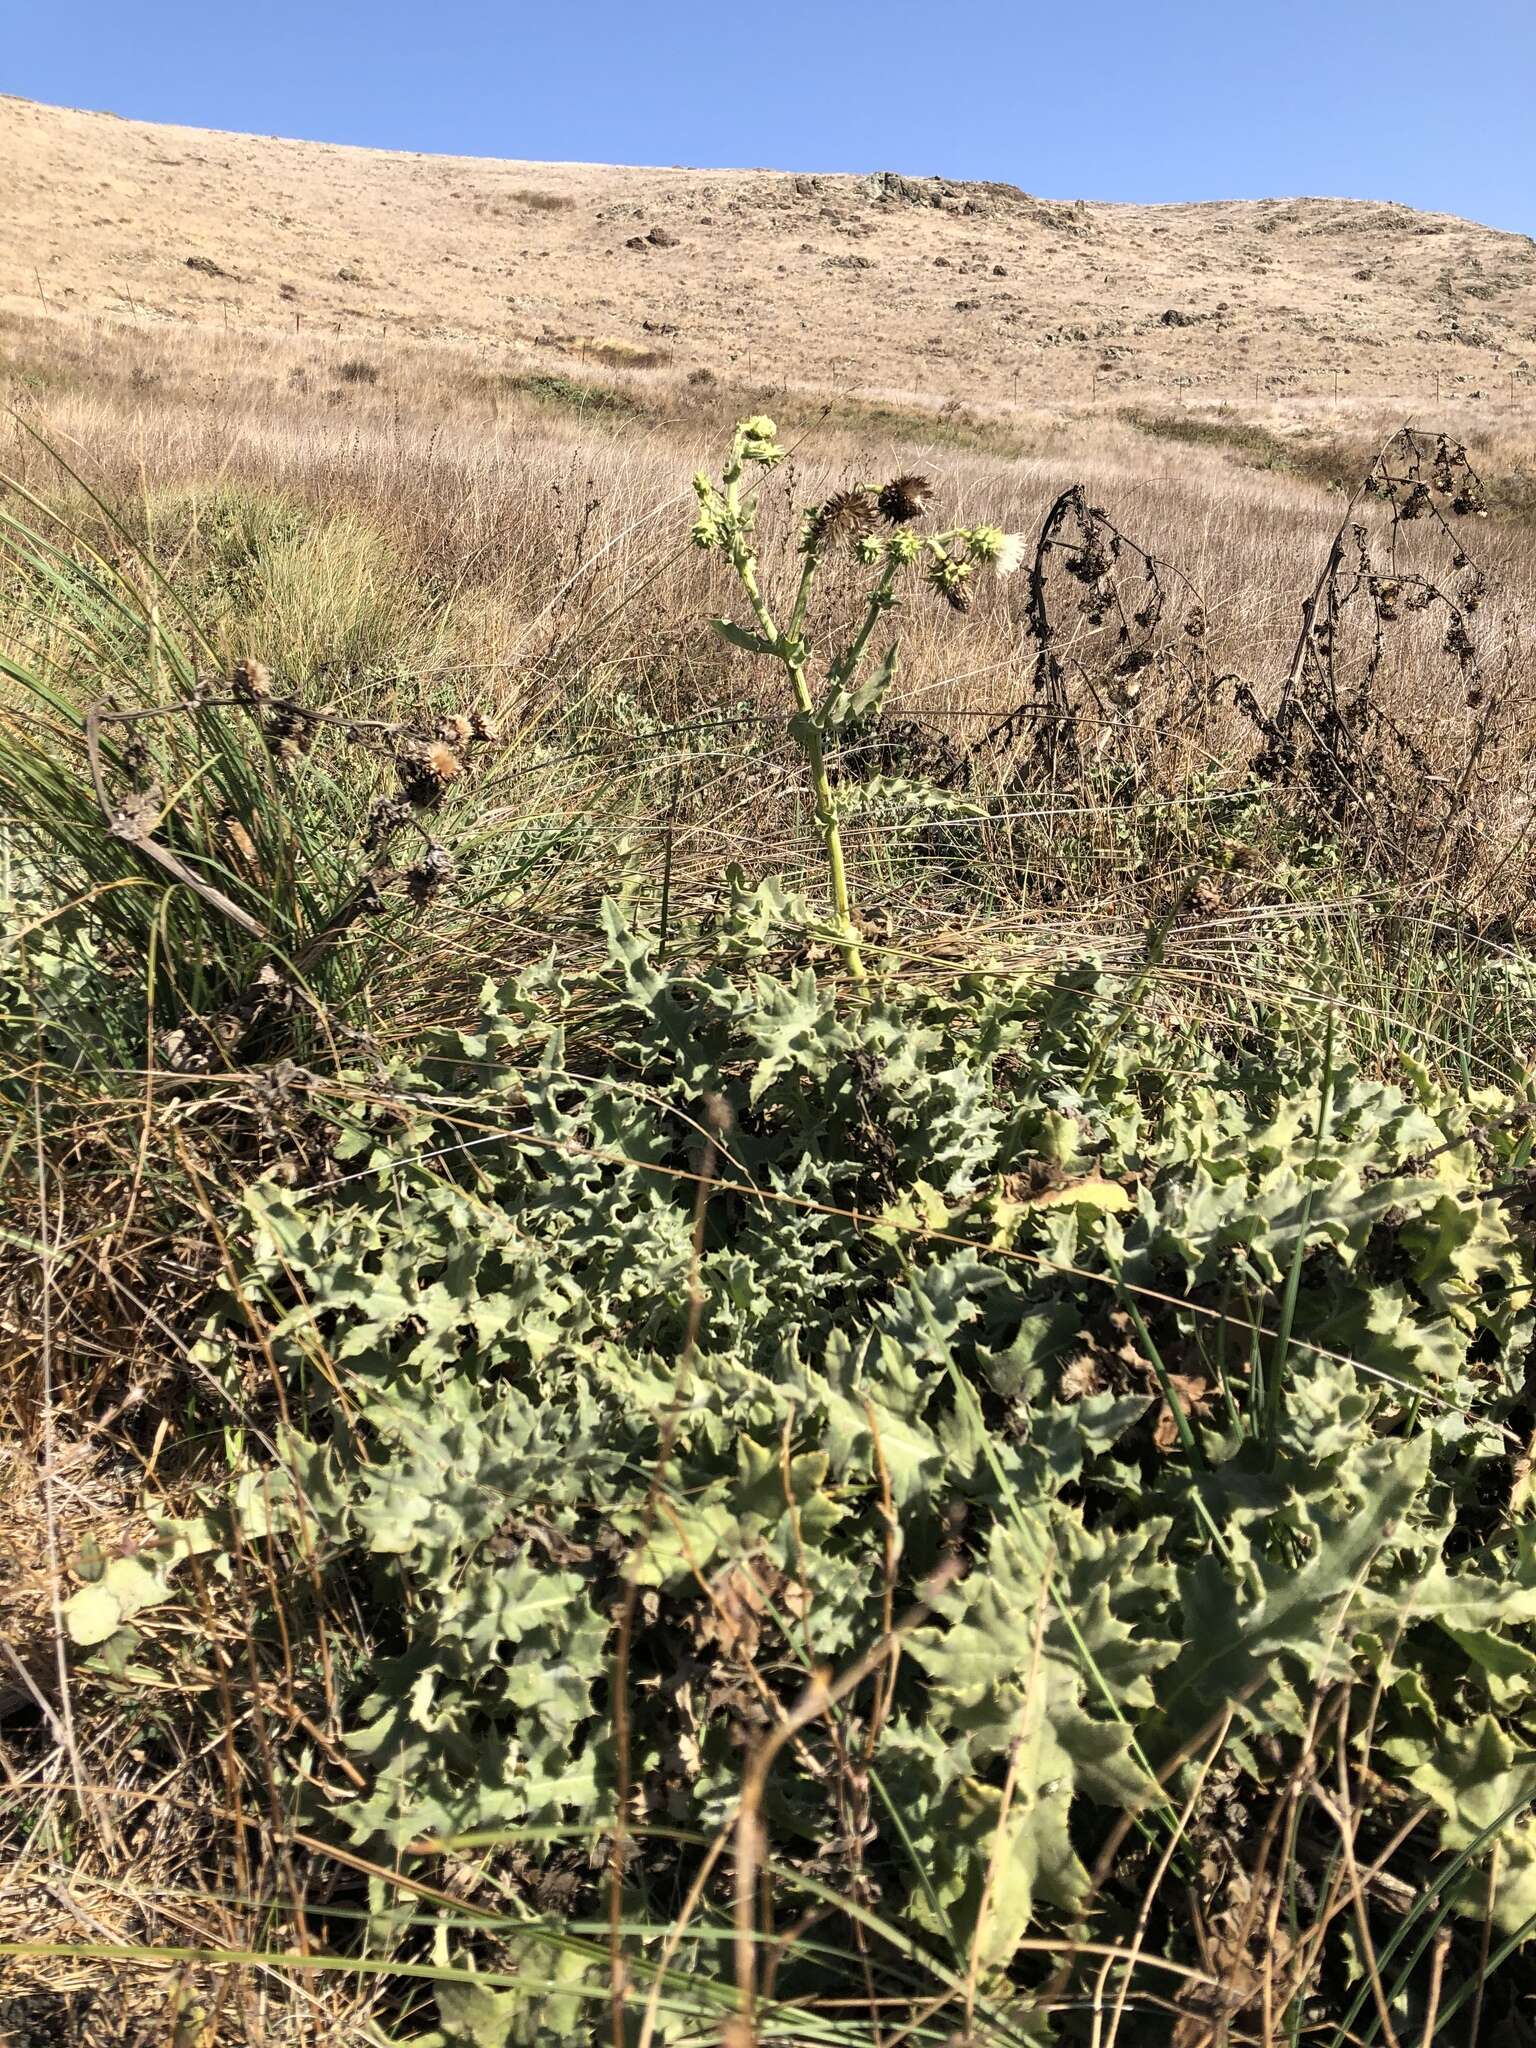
(1174, 318)
(638, 242)
(661, 238)
(206, 265)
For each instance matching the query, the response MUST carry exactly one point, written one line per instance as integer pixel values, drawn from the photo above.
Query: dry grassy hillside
(914, 286)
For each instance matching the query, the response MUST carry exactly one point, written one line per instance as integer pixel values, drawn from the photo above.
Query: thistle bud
(757, 441)
(952, 580)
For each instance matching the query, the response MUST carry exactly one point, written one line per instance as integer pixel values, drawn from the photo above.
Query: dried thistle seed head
(904, 499)
(388, 816)
(481, 729)
(286, 722)
(846, 516)
(251, 680)
(136, 817)
(426, 769)
(423, 881)
(455, 729)
(370, 895)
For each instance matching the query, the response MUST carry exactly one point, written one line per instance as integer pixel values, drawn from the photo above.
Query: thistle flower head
(905, 498)
(455, 729)
(1002, 552)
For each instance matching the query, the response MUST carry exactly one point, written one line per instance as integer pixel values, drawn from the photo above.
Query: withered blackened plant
(1122, 616)
(1330, 738)
(949, 560)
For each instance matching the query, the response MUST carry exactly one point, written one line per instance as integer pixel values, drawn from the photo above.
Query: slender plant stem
(790, 651)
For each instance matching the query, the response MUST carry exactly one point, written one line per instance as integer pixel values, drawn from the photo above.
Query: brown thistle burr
(426, 769)
(904, 499)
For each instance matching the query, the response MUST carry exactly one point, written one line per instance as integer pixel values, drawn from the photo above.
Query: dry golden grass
(926, 289)
(489, 535)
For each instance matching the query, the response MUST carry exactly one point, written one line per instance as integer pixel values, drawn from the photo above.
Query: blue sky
(1129, 99)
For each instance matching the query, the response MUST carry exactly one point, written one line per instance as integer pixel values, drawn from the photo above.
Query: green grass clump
(1255, 444)
(552, 387)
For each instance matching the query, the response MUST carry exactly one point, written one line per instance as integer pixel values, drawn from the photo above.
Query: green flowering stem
(790, 650)
(949, 561)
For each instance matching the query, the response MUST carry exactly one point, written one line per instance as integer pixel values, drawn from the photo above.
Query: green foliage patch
(1093, 1391)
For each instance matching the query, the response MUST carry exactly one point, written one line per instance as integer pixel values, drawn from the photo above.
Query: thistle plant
(855, 681)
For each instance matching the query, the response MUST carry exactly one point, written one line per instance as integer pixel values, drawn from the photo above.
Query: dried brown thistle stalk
(1395, 555)
(1108, 619)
